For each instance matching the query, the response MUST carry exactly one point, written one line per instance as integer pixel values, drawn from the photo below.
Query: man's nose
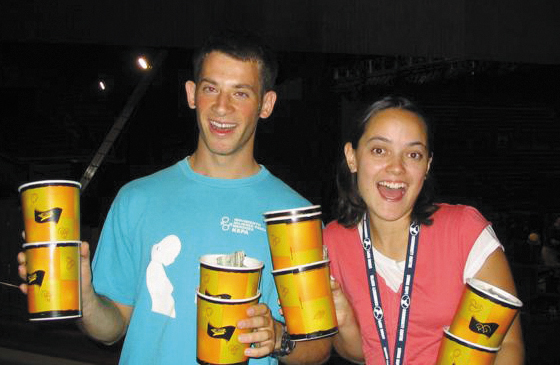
(222, 104)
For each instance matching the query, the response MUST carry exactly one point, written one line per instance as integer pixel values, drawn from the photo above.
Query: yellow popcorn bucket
(217, 332)
(53, 280)
(456, 351)
(295, 236)
(485, 314)
(51, 210)
(306, 300)
(229, 282)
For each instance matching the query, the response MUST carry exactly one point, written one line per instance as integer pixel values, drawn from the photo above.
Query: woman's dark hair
(350, 207)
(242, 46)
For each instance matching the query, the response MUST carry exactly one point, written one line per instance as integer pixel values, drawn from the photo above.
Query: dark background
(486, 72)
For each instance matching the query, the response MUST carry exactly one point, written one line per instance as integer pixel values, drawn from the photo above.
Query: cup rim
(290, 212)
(52, 243)
(228, 301)
(300, 268)
(258, 264)
(293, 218)
(467, 343)
(41, 183)
(494, 294)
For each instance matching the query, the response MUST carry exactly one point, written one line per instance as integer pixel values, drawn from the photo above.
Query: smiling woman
(393, 160)
(401, 261)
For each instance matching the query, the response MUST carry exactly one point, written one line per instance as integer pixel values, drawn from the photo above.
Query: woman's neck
(390, 238)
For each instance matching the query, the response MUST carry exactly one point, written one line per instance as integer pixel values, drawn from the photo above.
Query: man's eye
(377, 151)
(242, 94)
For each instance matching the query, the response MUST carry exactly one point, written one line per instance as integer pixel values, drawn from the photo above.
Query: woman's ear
(350, 154)
(429, 164)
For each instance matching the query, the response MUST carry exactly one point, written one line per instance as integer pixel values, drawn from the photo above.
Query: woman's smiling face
(391, 161)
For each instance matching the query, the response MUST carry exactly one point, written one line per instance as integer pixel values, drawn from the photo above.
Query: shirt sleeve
(485, 244)
(113, 268)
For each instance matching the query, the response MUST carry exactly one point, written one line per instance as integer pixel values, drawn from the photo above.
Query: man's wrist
(286, 345)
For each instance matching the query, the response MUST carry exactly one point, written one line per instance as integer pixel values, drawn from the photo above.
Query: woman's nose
(396, 164)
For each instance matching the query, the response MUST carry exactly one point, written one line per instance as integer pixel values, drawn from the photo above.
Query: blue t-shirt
(161, 225)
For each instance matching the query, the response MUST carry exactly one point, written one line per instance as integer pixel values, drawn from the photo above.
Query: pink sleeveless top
(438, 282)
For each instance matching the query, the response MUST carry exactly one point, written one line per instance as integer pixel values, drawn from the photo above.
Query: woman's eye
(416, 155)
(377, 151)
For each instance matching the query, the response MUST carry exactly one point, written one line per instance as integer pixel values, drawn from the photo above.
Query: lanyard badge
(406, 296)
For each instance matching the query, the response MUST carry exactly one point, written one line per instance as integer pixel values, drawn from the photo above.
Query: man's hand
(264, 331)
(85, 268)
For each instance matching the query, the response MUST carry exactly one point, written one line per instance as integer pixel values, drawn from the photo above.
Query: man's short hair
(242, 46)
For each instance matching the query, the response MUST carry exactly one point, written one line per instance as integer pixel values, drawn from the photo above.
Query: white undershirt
(393, 271)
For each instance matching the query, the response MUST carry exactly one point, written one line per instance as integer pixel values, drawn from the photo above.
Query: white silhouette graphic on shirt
(159, 286)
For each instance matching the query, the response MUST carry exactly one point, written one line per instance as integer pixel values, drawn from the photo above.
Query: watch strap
(286, 345)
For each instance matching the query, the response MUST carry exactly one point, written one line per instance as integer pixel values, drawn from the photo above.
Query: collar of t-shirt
(392, 271)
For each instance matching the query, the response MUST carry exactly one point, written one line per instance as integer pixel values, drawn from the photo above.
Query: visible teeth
(392, 185)
(221, 125)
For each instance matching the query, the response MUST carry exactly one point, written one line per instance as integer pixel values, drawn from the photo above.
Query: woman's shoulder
(458, 213)
(446, 209)
(334, 228)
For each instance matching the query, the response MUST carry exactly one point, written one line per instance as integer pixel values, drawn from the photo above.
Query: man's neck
(223, 167)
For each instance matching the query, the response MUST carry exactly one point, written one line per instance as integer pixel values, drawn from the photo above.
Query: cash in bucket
(229, 282)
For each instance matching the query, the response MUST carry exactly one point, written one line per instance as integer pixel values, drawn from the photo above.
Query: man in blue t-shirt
(145, 270)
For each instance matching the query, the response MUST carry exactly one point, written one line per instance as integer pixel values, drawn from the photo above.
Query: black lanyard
(406, 296)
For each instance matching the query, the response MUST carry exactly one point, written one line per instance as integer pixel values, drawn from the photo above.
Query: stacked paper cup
(301, 272)
(51, 216)
(229, 284)
(481, 321)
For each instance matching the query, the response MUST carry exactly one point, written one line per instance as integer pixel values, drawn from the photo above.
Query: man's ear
(350, 157)
(190, 88)
(269, 99)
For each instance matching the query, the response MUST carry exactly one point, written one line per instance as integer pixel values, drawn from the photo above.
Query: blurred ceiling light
(143, 63)
(102, 85)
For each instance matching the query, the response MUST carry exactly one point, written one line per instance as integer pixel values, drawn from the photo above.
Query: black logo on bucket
(51, 215)
(36, 278)
(486, 329)
(221, 296)
(220, 332)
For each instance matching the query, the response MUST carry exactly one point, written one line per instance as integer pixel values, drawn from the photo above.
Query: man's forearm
(101, 319)
(309, 352)
(306, 352)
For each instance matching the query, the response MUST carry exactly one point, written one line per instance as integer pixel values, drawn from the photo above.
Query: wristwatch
(286, 345)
